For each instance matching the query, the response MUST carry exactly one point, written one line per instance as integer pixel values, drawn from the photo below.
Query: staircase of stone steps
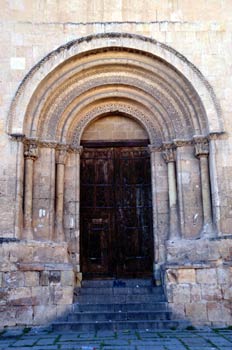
(117, 305)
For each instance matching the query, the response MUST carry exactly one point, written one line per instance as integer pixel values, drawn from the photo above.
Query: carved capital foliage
(31, 150)
(154, 148)
(77, 149)
(169, 155)
(201, 146)
(182, 143)
(61, 154)
(48, 144)
(201, 149)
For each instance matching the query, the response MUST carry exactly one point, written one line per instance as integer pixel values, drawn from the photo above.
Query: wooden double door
(116, 212)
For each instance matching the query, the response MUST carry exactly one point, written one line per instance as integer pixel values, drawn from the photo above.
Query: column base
(208, 231)
(28, 233)
(59, 235)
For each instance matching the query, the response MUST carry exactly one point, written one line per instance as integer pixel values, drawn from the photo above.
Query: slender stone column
(157, 254)
(19, 185)
(202, 153)
(169, 157)
(60, 168)
(30, 154)
(77, 150)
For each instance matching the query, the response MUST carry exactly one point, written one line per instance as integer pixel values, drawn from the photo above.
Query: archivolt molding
(37, 78)
(78, 109)
(168, 91)
(172, 110)
(154, 134)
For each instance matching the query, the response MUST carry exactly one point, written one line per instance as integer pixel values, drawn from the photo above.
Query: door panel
(116, 212)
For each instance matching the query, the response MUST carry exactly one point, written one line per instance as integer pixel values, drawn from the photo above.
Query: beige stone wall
(199, 30)
(114, 128)
(198, 279)
(36, 283)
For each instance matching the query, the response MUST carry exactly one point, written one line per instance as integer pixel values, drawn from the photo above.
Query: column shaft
(202, 152)
(172, 193)
(205, 186)
(19, 189)
(60, 202)
(28, 190)
(169, 157)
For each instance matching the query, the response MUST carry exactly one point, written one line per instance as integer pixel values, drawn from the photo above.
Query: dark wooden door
(116, 212)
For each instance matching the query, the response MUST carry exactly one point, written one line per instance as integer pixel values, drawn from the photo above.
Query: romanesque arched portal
(106, 75)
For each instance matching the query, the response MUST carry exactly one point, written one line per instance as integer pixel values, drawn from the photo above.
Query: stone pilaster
(202, 153)
(30, 154)
(170, 158)
(60, 169)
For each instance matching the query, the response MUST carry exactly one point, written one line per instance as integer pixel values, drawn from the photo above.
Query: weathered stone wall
(198, 276)
(114, 128)
(200, 31)
(36, 282)
(198, 279)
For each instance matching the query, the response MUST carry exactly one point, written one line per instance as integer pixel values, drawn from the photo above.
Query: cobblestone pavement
(45, 339)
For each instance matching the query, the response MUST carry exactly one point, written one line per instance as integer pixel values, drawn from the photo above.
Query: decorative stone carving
(61, 156)
(201, 149)
(182, 143)
(31, 151)
(111, 108)
(77, 150)
(169, 155)
(201, 146)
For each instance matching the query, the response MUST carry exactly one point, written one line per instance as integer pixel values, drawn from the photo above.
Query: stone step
(119, 325)
(110, 283)
(119, 290)
(151, 306)
(117, 299)
(118, 316)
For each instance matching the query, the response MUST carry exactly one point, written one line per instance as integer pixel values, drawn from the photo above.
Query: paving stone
(47, 341)
(128, 347)
(12, 333)
(24, 342)
(221, 342)
(150, 347)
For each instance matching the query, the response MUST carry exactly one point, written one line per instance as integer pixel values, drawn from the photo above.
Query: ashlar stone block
(207, 276)
(186, 276)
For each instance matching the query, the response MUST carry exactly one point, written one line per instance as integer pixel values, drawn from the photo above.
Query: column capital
(31, 151)
(61, 155)
(169, 155)
(78, 149)
(201, 146)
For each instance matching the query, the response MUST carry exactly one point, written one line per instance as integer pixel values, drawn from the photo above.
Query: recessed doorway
(116, 208)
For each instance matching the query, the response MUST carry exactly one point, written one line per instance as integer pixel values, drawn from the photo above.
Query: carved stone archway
(101, 74)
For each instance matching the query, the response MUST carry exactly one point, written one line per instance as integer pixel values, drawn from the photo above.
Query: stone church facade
(81, 81)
